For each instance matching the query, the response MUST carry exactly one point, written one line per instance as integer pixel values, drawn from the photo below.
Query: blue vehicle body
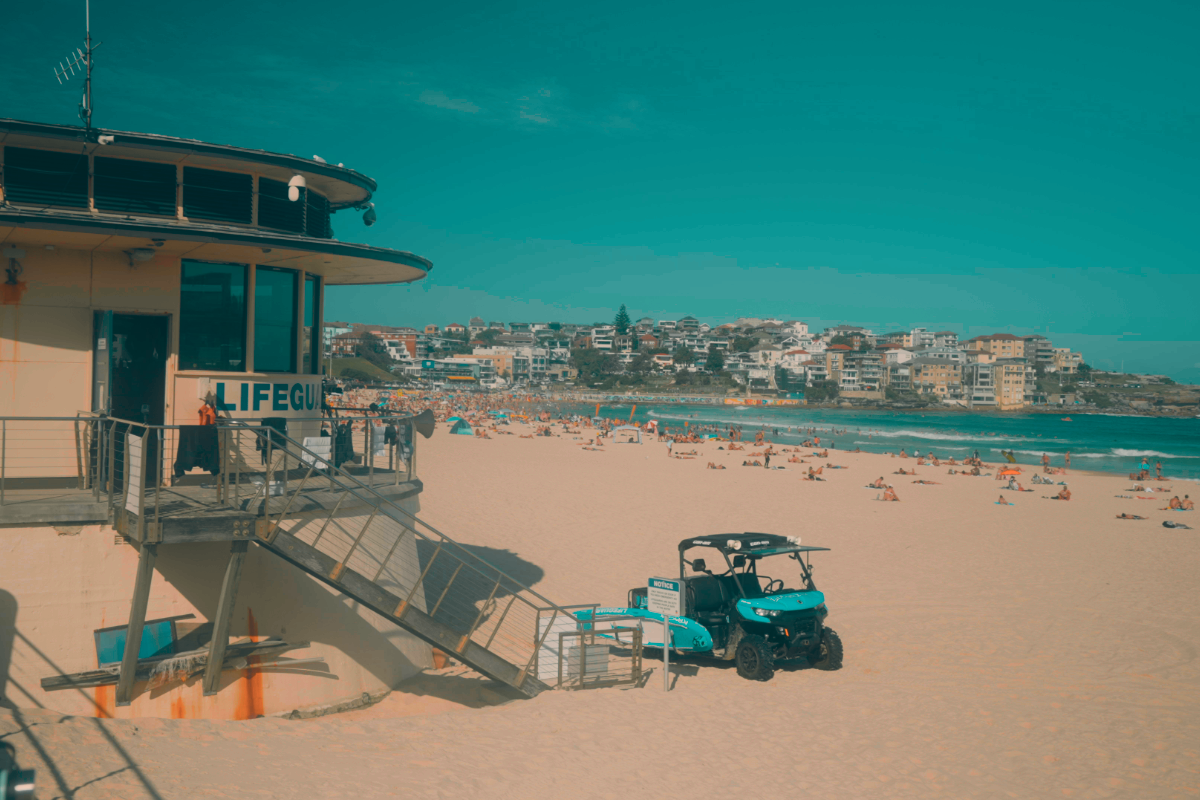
(739, 613)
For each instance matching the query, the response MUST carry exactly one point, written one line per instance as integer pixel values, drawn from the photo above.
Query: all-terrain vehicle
(742, 614)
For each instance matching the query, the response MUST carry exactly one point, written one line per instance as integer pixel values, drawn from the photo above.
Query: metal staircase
(370, 548)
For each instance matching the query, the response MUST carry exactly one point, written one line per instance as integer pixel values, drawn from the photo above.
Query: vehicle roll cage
(750, 564)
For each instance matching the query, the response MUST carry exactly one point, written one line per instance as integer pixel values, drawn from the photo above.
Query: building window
(219, 196)
(311, 340)
(275, 319)
(276, 211)
(212, 317)
(45, 178)
(133, 187)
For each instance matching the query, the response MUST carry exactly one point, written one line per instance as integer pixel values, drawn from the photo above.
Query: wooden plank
(137, 619)
(108, 675)
(225, 605)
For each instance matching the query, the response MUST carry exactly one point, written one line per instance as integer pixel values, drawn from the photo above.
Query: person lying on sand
(1129, 516)
(927, 483)
(734, 447)
(795, 460)
(755, 463)
(525, 436)
(597, 449)
(889, 495)
(711, 465)
(812, 476)
(878, 484)
(1065, 494)
(822, 454)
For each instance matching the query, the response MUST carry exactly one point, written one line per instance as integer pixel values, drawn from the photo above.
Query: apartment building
(1001, 345)
(937, 376)
(1010, 383)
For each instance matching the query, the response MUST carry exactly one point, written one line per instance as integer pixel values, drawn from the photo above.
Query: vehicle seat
(707, 598)
(750, 585)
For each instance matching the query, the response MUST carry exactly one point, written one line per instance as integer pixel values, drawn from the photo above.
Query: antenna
(81, 61)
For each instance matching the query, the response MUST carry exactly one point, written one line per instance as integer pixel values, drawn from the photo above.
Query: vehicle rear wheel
(754, 659)
(831, 651)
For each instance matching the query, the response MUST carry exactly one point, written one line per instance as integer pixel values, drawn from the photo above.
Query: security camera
(105, 139)
(294, 186)
(369, 216)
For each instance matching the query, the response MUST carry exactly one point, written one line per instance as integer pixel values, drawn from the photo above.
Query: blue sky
(1030, 167)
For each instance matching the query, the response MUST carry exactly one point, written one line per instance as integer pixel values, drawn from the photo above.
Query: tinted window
(275, 320)
(276, 211)
(134, 187)
(220, 196)
(45, 178)
(212, 317)
(310, 360)
(316, 219)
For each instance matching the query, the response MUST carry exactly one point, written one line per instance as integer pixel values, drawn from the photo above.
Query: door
(138, 378)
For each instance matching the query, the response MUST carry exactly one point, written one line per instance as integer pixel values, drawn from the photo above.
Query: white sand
(1040, 650)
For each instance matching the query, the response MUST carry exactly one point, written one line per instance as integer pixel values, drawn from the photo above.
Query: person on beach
(889, 496)
(902, 453)
(1175, 503)
(1129, 516)
(766, 465)
(1187, 504)
(1065, 494)
(878, 484)
(1003, 502)
(711, 465)
(1158, 470)
(1067, 459)
(1045, 462)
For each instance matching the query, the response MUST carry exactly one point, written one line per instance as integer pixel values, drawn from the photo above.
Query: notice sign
(664, 597)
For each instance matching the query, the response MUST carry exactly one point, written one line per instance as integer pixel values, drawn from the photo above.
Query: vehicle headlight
(767, 612)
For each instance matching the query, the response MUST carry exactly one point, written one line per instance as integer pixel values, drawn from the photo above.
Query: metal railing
(45, 459)
(413, 562)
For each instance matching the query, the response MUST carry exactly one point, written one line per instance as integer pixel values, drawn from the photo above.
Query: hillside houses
(998, 370)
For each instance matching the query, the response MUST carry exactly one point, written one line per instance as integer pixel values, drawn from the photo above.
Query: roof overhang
(339, 263)
(343, 187)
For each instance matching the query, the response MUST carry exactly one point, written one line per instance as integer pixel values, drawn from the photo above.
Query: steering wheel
(771, 588)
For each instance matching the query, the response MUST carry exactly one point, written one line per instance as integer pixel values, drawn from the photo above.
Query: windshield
(760, 576)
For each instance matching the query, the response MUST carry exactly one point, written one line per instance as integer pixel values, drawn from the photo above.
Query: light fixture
(14, 268)
(369, 216)
(139, 255)
(294, 186)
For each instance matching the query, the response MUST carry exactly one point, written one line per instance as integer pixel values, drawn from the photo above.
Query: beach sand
(1043, 649)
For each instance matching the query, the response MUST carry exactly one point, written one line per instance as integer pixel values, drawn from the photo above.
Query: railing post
(3, 455)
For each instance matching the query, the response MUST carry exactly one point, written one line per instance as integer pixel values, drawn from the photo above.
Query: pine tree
(621, 321)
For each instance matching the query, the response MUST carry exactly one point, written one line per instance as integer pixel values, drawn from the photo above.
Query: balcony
(181, 483)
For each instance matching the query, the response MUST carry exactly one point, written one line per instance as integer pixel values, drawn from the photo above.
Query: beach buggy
(745, 611)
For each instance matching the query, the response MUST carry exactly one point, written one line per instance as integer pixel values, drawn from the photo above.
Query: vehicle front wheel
(755, 660)
(831, 651)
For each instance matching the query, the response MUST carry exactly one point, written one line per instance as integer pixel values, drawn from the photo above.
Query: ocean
(1108, 443)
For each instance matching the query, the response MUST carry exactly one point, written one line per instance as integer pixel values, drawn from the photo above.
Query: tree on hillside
(488, 337)
(372, 348)
(593, 364)
(642, 363)
(555, 326)
(683, 356)
(621, 321)
(742, 344)
(715, 362)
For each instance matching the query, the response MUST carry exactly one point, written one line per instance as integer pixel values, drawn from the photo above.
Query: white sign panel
(547, 655)
(133, 478)
(665, 597)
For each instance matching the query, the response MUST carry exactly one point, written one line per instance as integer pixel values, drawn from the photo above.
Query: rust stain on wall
(11, 293)
(252, 691)
(106, 701)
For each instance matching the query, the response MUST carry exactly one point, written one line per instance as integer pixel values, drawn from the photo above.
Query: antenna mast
(81, 60)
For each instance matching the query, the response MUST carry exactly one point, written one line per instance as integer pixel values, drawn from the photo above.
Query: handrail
(382, 500)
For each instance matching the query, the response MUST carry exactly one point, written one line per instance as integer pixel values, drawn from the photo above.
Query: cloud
(439, 99)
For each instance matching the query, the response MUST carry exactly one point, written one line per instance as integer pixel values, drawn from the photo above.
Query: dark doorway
(139, 377)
